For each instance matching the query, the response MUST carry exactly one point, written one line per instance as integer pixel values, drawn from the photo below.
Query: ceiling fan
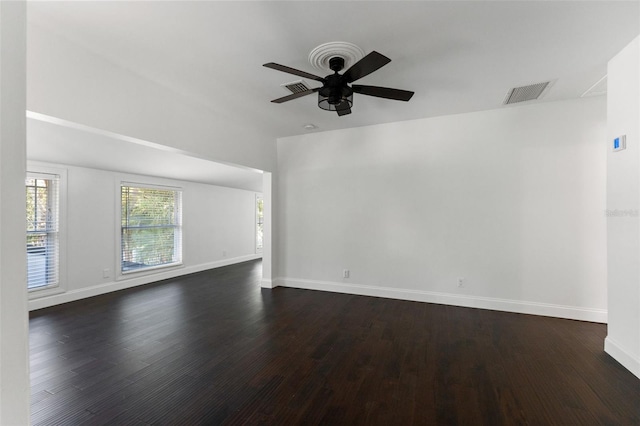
(336, 93)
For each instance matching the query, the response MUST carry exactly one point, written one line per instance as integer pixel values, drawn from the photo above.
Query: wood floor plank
(215, 348)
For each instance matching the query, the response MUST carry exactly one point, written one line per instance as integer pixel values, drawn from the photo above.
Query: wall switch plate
(345, 273)
(620, 143)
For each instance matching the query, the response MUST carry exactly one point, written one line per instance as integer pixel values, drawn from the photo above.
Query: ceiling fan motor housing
(335, 94)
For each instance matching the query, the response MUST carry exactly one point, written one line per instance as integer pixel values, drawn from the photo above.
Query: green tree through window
(259, 222)
(151, 231)
(42, 230)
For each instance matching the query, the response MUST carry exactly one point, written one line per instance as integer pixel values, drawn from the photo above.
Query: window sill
(124, 275)
(37, 293)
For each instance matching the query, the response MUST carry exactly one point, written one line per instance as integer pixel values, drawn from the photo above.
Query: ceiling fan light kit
(336, 93)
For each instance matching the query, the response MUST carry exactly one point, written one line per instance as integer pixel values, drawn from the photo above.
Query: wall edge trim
(623, 356)
(469, 301)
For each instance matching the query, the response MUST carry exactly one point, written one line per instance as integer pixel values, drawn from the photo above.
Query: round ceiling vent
(320, 56)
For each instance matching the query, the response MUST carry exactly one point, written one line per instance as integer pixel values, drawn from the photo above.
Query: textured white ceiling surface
(457, 56)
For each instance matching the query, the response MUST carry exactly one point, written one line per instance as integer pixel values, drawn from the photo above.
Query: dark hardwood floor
(214, 348)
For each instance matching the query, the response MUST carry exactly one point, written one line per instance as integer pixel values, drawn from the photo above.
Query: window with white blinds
(151, 227)
(43, 246)
(259, 222)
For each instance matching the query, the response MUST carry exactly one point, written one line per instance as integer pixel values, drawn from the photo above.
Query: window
(43, 254)
(259, 222)
(151, 227)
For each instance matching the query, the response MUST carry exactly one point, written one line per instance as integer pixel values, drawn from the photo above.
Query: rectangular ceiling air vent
(297, 86)
(525, 93)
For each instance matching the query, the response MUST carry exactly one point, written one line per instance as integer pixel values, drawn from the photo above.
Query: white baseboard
(266, 284)
(507, 305)
(624, 357)
(96, 290)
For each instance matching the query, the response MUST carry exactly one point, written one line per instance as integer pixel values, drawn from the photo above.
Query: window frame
(127, 274)
(258, 197)
(45, 171)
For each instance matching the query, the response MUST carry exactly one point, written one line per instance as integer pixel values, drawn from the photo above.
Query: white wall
(69, 82)
(268, 234)
(214, 219)
(623, 203)
(14, 339)
(512, 200)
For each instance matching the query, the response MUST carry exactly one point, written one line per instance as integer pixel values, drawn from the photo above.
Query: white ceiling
(57, 141)
(457, 56)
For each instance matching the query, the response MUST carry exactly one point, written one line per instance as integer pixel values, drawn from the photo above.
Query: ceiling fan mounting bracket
(336, 63)
(321, 56)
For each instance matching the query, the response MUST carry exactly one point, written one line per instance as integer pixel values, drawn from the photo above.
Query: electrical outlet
(460, 281)
(106, 273)
(224, 253)
(345, 273)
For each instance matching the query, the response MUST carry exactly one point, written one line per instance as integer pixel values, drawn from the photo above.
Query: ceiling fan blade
(365, 66)
(295, 96)
(383, 92)
(293, 71)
